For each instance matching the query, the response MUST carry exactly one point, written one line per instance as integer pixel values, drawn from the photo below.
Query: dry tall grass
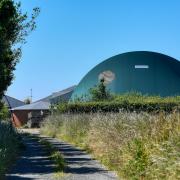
(137, 146)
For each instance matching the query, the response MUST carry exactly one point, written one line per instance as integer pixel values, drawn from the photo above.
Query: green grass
(55, 155)
(10, 145)
(135, 145)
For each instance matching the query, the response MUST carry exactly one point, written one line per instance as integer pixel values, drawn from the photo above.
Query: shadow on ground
(34, 162)
(80, 163)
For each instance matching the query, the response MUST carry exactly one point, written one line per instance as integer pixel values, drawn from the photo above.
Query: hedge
(93, 107)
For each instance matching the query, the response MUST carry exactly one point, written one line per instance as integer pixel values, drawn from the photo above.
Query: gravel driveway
(33, 163)
(80, 165)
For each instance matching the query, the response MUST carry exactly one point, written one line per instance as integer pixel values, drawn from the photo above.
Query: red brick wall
(20, 117)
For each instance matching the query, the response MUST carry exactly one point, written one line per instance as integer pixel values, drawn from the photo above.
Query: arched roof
(143, 71)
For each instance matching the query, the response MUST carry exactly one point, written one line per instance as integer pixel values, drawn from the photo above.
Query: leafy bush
(9, 145)
(127, 102)
(100, 92)
(118, 106)
(136, 145)
(4, 112)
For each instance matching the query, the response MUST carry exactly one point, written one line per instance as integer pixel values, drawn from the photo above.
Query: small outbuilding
(34, 113)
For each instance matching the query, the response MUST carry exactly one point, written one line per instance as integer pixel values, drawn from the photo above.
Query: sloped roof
(34, 106)
(58, 94)
(46, 99)
(63, 92)
(44, 104)
(12, 102)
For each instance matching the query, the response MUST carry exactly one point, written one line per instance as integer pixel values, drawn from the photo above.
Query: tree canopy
(100, 92)
(15, 26)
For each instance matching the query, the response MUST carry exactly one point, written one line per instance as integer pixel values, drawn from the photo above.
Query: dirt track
(34, 163)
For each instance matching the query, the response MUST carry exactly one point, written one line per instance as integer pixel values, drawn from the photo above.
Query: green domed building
(141, 71)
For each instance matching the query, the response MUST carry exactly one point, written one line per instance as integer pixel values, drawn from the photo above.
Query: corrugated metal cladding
(141, 71)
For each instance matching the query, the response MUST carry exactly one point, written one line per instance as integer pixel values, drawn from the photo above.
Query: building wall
(20, 117)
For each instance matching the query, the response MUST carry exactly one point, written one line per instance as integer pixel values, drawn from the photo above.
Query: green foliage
(136, 167)
(27, 101)
(10, 145)
(59, 161)
(14, 27)
(55, 155)
(4, 113)
(128, 102)
(135, 145)
(100, 93)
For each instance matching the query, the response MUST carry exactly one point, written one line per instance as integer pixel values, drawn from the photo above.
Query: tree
(4, 112)
(27, 101)
(15, 26)
(100, 92)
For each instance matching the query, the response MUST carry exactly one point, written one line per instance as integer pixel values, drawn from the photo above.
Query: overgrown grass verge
(10, 146)
(136, 145)
(54, 155)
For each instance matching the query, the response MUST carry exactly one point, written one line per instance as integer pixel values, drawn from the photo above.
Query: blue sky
(75, 35)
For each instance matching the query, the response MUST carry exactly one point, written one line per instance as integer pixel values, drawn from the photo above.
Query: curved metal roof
(139, 71)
